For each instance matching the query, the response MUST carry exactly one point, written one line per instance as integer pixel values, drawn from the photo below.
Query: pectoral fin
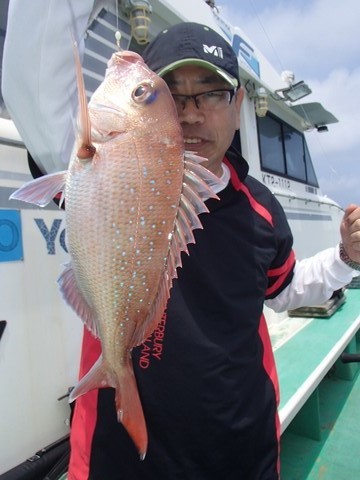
(41, 190)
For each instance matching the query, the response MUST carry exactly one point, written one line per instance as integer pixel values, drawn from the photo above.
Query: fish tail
(128, 405)
(129, 410)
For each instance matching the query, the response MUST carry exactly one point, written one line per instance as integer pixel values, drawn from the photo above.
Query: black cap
(192, 44)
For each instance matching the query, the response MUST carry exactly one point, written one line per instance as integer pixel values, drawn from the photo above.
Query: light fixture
(293, 92)
(138, 12)
(261, 102)
(260, 96)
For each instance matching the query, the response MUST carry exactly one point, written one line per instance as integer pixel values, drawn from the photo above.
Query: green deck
(337, 455)
(323, 440)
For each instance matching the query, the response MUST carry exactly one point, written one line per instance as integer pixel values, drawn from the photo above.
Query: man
(206, 376)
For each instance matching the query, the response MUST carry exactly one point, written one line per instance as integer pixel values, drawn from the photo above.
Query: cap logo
(216, 51)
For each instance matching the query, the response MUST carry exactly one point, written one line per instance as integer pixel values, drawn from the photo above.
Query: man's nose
(190, 113)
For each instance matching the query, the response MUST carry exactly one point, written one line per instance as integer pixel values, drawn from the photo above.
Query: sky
(319, 40)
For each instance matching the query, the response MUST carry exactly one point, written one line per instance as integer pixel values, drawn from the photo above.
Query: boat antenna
(275, 53)
(267, 36)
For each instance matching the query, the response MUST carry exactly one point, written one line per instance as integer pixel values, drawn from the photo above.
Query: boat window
(283, 150)
(271, 145)
(311, 176)
(294, 153)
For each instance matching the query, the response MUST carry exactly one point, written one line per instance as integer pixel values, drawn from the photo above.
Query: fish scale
(135, 229)
(133, 196)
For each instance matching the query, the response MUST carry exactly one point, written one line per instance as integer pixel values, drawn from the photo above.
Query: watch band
(346, 259)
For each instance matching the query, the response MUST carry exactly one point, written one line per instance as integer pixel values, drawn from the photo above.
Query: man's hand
(350, 232)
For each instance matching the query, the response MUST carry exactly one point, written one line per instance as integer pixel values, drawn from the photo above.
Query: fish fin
(41, 190)
(74, 297)
(96, 377)
(156, 311)
(128, 405)
(129, 409)
(198, 186)
(199, 178)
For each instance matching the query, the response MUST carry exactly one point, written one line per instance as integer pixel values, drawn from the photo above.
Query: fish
(133, 197)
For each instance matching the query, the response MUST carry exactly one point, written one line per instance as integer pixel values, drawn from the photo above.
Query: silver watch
(346, 259)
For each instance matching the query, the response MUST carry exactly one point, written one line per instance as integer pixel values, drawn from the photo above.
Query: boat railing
(306, 200)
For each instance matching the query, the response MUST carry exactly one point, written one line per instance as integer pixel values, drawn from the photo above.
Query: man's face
(208, 133)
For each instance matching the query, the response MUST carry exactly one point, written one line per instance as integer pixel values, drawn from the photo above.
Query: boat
(36, 373)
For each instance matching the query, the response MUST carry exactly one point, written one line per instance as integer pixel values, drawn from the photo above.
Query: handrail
(306, 199)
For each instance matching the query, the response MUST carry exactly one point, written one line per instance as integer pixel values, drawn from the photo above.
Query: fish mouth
(98, 134)
(127, 56)
(100, 107)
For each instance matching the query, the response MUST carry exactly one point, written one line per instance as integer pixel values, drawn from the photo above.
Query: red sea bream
(132, 197)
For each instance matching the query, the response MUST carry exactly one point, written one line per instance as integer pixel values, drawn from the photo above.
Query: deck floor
(337, 455)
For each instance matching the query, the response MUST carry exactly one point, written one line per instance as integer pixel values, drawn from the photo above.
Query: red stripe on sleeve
(238, 185)
(85, 414)
(285, 268)
(282, 272)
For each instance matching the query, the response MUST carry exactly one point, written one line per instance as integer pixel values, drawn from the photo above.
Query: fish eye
(143, 92)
